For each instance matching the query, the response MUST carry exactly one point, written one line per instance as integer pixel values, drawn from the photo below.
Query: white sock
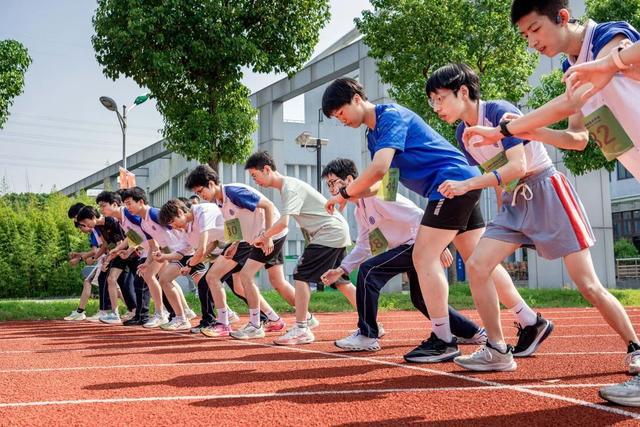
(502, 347)
(524, 314)
(254, 317)
(273, 316)
(180, 318)
(223, 316)
(441, 328)
(301, 325)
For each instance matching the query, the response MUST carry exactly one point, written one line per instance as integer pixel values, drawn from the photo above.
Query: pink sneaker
(296, 336)
(275, 326)
(217, 330)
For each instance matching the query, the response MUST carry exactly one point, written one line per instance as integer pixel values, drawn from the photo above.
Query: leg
(167, 275)
(86, 293)
(349, 292)
(281, 285)
(206, 303)
(220, 268)
(103, 292)
(151, 278)
(126, 283)
(112, 283)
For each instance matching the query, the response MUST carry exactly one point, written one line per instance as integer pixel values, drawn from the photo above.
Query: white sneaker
(627, 393)
(190, 314)
(295, 336)
(75, 316)
(233, 316)
(633, 361)
(479, 338)
(96, 317)
(248, 332)
(358, 342)
(156, 321)
(128, 315)
(381, 331)
(487, 358)
(176, 325)
(112, 318)
(312, 322)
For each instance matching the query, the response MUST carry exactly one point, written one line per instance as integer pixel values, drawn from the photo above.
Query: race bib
(377, 242)
(389, 188)
(496, 162)
(608, 133)
(133, 239)
(165, 250)
(232, 231)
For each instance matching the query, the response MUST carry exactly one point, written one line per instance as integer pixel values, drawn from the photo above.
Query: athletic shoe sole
(537, 342)
(246, 337)
(297, 342)
(357, 348)
(619, 400)
(446, 357)
(502, 367)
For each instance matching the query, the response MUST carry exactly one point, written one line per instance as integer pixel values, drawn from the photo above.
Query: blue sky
(58, 132)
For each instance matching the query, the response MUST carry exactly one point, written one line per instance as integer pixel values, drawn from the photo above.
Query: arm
(276, 228)
(201, 251)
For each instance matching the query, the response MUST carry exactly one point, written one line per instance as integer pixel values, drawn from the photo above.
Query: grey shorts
(553, 221)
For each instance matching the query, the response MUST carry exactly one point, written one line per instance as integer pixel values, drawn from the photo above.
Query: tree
(190, 54)
(14, 61)
(623, 248)
(614, 10)
(411, 38)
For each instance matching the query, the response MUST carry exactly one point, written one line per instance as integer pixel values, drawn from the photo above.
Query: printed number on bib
(389, 188)
(133, 239)
(232, 231)
(377, 242)
(608, 133)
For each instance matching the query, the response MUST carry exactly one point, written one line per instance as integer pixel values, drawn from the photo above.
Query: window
(622, 172)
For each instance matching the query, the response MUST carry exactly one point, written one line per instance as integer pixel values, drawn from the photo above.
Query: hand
(158, 256)
(446, 259)
(105, 266)
(124, 254)
(231, 250)
(330, 276)
(336, 200)
(74, 261)
(489, 135)
(142, 269)
(450, 189)
(90, 260)
(185, 271)
(267, 246)
(73, 255)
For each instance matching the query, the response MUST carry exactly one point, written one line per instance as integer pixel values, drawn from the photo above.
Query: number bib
(232, 231)
(133, 239)
(377, 242)
(165, 250)
(496, 162)
(389, 188)
(608, 133)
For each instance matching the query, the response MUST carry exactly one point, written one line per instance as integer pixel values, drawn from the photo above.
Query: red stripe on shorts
(573, 212)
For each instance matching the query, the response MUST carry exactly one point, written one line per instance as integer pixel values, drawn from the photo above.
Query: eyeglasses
(436, 101)
(333, 182)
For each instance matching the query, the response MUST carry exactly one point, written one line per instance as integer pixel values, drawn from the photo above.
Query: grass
(329, 301)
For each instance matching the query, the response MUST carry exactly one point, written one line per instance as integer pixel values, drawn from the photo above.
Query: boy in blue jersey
(403, 147)
(610, 115)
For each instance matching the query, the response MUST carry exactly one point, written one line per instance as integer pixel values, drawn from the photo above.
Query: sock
(309, 316)
(633, 347)
(179, 318)
(524, 314)
(502, 347)
(273, 316)
(254, 317)
(441, 328)
(116, 313)
(301, 325)
(223, 316)
(80, 310)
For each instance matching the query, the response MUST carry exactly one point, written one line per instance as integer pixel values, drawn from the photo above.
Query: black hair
(339, 93)
(87, 212)
(186, 201)
(341, 168)
(109, 197)
(201, 176)
(74, 209)
(195, 197)
(135, 193)
(259, 160)
(170, 210)
(453, 77)
(549, 8)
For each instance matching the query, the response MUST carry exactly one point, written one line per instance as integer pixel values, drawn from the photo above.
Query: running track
(59, 373)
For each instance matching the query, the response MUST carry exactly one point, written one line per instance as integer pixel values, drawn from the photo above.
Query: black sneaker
(433, 350)
(530, 337)
(134, 322)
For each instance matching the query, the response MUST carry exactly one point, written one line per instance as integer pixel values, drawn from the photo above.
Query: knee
(111, 281)
(592, 291)
(477, 268)
(245, 278)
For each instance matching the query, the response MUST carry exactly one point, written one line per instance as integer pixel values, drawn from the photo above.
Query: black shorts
(120, 263)
(199, 268)
(276, 257)
(316, 260)
(242, 253)
(461, 213)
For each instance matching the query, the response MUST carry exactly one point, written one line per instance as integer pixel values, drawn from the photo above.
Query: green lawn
(459, 297)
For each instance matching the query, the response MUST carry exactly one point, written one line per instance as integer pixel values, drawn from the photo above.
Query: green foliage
(624, 248)
(578, 162)
(35, 238)
(614, 10)
(410, 39)
(14, 61)
(190, 54)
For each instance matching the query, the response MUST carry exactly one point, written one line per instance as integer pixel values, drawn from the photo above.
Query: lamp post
(111, 105)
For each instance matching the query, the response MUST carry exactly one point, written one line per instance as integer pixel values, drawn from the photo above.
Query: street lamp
(111, 105)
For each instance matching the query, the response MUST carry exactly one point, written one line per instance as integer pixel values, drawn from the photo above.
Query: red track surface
(62, 373)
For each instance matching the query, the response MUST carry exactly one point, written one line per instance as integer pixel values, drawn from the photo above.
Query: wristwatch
(615, 54)
(343, 193)
(503, 128)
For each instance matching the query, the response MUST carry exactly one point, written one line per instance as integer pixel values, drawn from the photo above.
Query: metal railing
(628, 268)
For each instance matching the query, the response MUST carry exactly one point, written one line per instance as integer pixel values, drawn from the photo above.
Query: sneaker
(312, 322)
(295, 336)
(627, 393)
(75, 316)
(176, 325)
(433, 350)
(479, 338)
(190, 314)
(632, 359)
(156, 321)
(530, 337)
(487, 358)
(248, 332)
(128, 315)
(275, 325)
(358, 342)
(134, 321)
(198, 328)
(111, 318)
(233, 317)
(381, 331)
(217, 330)
(96, 317)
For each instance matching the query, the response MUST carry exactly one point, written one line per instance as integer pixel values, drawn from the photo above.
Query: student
(249, 213)
(384, 247)
(111, 279)
(540, 209)
(194, 199)
(610, 116)
(405, 149)
(327, 236)
(197, 226)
